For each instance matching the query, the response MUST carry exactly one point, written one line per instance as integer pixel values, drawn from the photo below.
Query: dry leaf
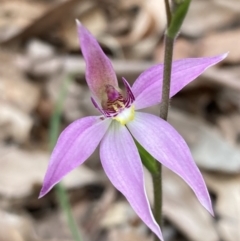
(120, 213)
(230, 127)
(91, 16)
(233, 5)
(53, 227)
(205, 16)
(15, 125)
(227, 189)
(222, 42)
(227, 78)
(17, 15)
(16, 228)
(182, 49)
(44, 21)
(151, 20)
(14, 88)
(127, 235)
(209, 148)
(21, 170)
(38, 51)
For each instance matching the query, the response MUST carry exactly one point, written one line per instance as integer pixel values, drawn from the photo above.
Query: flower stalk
(168, 12)
(167, 70)
(171, 34)
(157, 178)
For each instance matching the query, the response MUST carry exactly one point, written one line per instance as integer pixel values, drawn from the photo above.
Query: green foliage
(180, 9)
(148, 161)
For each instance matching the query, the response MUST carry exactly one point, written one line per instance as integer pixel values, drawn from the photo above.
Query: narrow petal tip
(46, 188)
(218, 58)
(122, 165)
(41, 194)
(209, 208)
(75, 144)
(78, 22)
(207, 204)
(212, 212)
(146, 87)
(166, 145)
(99, 69)
(224, 55)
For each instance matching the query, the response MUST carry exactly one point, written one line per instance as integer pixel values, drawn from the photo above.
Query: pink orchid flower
(121, 121)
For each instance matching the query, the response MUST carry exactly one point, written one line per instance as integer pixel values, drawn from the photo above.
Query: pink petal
(129, 98)
(148, 86)
(164, 143)
(129, 94)
(97, 106)
(122, 164)
(75, 144)
(99, 70)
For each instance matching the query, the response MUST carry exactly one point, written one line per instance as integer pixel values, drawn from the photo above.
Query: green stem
(54, 132)
(157, 194)
(174, 21)
(65, 205)
(157, 178)
(167, 70)
(168, 12)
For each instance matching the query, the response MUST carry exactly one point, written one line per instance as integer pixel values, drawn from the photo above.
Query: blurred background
(39, 51)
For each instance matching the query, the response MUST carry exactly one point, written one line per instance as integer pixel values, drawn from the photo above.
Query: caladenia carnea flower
(120, 121)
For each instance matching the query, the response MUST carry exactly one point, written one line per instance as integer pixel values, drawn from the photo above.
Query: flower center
(126, 115)
(116, 106)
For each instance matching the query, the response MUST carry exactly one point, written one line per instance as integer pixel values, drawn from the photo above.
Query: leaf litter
(39, 49)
